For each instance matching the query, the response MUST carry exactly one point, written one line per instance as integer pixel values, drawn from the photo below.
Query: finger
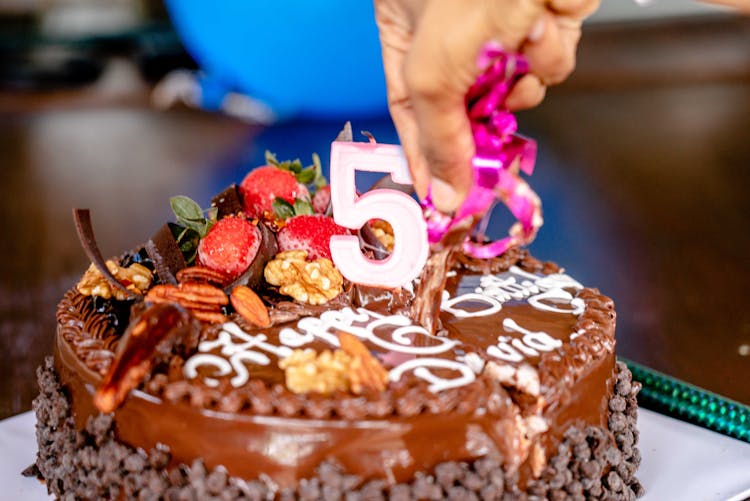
(440, 68)
(576, 9)
(552, 53)
(741, 5)
(528, 92)
(395, 39)
(402, 114)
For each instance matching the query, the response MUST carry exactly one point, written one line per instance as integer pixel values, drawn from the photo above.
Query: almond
(365, 371)
(249, 306)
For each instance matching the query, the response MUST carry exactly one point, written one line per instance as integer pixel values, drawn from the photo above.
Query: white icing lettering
(540, 341)
(421, 368)
(238, 364)
(449, 305)
(238, 353)
(558, 281)
(291, 337)
(504, 351)
(557, 296)
(518, 344)
(201, 359)
(543, 292)
(329, 322)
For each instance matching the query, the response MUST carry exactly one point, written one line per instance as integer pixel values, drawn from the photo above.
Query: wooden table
(643, 168)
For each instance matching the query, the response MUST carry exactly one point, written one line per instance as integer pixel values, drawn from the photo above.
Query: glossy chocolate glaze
(391, 435)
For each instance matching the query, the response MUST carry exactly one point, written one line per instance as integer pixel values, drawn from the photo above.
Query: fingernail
(537, 30)
(488, 54)
(443, 196)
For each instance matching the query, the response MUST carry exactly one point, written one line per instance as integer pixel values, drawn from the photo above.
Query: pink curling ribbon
(500, 154)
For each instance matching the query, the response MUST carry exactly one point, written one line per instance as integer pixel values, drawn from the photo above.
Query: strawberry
(321, 200)
(310, 233)
(230, 246)
(261, 187)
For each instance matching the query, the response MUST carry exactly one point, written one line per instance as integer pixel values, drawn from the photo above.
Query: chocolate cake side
(591, 463)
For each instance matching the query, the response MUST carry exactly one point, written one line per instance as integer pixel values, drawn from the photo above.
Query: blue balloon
(309, 58)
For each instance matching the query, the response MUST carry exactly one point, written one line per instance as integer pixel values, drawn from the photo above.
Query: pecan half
(204, 301)
(249, 306)
(202, 274)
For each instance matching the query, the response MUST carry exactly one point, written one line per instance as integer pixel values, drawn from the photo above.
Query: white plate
(680, 461)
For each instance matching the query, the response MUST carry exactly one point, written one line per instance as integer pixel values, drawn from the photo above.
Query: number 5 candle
(403, 213)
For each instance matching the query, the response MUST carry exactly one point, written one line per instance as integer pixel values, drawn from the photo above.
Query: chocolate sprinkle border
(591, 463)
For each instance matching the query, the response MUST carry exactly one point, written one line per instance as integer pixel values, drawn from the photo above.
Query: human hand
(741, 5)
(430, 55)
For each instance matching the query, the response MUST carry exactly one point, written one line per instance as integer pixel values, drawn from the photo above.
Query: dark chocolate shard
(346, 133)
(85, 229)
(367, 237)
(386, 182)
(253, 275)
(370, 242)
(165, 253)
(149, 340)
(425, 309)
(227, 202)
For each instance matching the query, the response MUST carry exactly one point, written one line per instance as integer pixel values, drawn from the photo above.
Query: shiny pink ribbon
(500, 154)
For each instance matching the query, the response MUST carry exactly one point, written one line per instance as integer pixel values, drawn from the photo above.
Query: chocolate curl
(85, 230)
(500, 154)
(147, 341)
(165, 253)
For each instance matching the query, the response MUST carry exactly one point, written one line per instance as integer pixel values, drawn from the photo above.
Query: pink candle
(403, 213)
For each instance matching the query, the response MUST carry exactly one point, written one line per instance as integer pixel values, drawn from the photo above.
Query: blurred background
(118, 105)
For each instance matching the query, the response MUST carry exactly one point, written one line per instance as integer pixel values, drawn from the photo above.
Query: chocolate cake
(227, 358)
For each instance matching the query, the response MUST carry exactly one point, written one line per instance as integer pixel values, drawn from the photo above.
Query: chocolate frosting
(262, 428)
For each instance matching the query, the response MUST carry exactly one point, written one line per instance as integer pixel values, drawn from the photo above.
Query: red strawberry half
(321, 199)
(310, 233)
(261, 187)
(230, 245)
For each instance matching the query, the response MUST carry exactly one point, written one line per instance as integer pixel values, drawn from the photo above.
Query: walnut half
(136, 278)
(307, 371)
(311, 282)
(350, 368)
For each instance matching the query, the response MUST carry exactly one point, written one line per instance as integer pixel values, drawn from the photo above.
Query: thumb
(440, 68)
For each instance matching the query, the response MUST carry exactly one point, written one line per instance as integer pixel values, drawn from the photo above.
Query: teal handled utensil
(681, 400)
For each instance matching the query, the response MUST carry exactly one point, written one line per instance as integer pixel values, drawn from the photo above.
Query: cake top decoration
(500, 154)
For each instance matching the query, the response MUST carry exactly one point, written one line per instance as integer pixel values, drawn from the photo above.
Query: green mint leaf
(185, 208)
(307, 175)
(212, 215)
(294, 166)
(319, 181)
(303, 207)
(187, 241)
(282, 208)
(271, 159)
(190, 215)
